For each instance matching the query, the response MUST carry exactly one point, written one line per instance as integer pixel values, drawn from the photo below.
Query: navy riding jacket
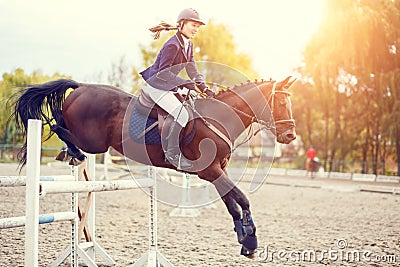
(171, 59)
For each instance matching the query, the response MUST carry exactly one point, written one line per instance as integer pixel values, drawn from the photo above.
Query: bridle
(272, 100)
(269, 125)
(265, 125)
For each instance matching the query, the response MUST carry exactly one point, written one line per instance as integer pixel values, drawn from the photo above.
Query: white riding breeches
(168, 102)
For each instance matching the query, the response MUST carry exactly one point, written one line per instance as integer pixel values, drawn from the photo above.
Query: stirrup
(179, 161)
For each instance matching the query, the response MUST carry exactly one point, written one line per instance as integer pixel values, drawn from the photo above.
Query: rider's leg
(172, 150)
(167, 101)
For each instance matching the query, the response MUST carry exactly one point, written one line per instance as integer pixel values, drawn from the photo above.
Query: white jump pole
(12, 181)
(74, 226)
(87, 250)
(152, 258)
(34, 187)
(90, 186)
(107, 161)
(43, 218)
(34, 138)
(84, 250)
(185, 208)
(92, 211)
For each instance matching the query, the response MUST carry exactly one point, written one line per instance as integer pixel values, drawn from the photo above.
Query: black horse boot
(173, 153)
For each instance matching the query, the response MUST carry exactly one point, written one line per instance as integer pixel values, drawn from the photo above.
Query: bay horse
(312, 167)
(93, 118)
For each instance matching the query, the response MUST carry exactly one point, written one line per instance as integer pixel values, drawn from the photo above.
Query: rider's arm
(167, 71)
(193, 73)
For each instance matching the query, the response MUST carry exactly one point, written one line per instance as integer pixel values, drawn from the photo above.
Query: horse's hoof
(250, 245)
(75, 162)
(247, 252)
(62, 156)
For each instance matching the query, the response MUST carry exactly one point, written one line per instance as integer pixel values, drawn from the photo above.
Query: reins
(265, 125)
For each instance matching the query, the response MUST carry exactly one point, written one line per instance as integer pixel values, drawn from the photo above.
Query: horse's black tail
(41, 102)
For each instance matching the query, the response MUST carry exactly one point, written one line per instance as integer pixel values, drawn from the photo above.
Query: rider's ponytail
(163, 26)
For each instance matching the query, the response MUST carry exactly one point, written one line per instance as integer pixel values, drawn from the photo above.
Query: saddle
(146, 107)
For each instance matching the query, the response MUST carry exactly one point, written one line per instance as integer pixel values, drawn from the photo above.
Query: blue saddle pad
(138, 123)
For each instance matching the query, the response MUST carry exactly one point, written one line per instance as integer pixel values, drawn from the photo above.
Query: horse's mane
(224, 92)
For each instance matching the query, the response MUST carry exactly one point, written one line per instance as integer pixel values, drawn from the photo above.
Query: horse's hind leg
(72, 150)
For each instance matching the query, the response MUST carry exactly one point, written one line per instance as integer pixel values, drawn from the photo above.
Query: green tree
(10, 84)
(348, 62)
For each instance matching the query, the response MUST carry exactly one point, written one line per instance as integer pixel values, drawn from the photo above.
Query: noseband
(272, 100)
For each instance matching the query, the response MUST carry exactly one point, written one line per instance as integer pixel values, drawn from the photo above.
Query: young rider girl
(163, 80)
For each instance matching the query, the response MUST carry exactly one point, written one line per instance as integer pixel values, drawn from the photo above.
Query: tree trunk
(374, 154)
(365, 152)
(398, 149)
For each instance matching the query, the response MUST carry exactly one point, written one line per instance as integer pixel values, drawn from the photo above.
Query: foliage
(9, 85)
(351, 105)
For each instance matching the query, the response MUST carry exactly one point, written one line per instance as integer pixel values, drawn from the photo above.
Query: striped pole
(43, 218)
(75, 225)
(152, 258)
(91, 186)
(12, 181)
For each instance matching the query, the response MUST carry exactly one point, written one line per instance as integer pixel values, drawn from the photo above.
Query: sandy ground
(292, 221)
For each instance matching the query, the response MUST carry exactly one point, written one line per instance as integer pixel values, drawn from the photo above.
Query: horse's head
(281, 107)
(265, 102)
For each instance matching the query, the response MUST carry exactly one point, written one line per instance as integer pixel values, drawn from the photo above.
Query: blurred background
(344, 53)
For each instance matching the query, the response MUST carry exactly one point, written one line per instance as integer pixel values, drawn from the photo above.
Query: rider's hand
(190, 85)
(183, 91)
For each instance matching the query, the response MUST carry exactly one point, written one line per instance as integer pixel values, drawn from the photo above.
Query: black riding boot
(173, 153)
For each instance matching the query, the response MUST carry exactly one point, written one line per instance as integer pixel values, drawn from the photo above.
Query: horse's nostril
(291, 136)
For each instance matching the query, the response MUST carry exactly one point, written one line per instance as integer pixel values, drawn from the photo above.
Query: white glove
(183, 91)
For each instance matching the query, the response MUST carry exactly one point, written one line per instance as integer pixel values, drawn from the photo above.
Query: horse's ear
(282, 84)
(287, 85)
(285, 81)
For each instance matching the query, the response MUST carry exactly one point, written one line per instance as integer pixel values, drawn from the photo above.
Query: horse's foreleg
(243, 223)
(249, 240)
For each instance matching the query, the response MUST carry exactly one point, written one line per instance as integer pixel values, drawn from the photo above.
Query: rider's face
(190, 28)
